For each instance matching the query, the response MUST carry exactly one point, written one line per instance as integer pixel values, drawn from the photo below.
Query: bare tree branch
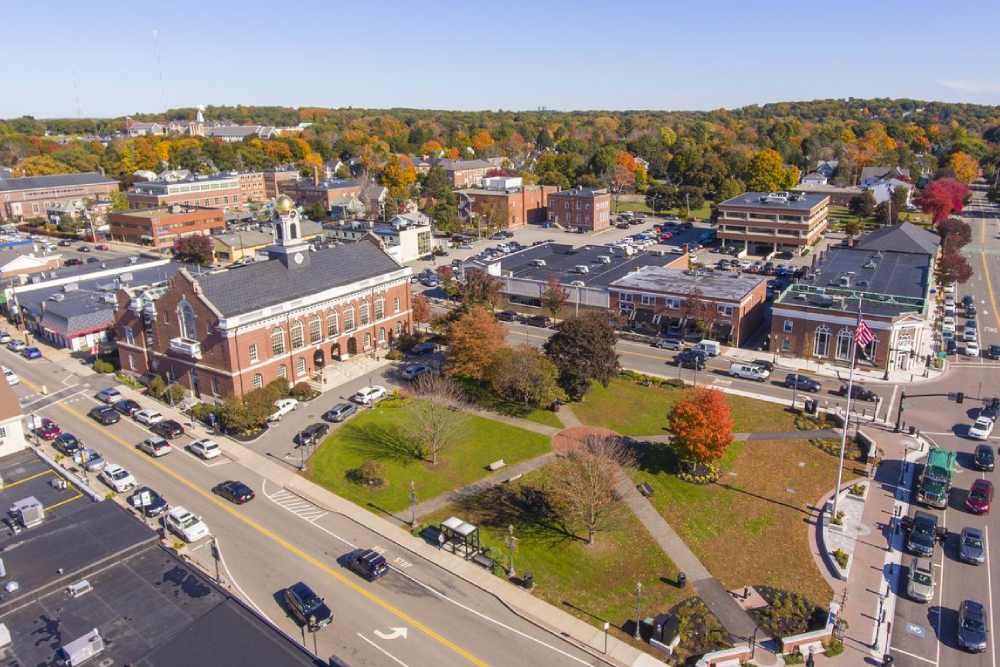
(436, 418)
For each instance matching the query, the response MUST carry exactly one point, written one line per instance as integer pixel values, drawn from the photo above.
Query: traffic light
(960, 397)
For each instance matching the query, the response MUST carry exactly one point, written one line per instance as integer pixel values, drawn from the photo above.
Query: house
(839, 195)
(871, 175)
(137, 128)
(769, 222)
(11, 427)
(235, 133)
(327, 193)
(886, 275)
(814, 178)
(406, 237)
(882, 190)
(295, 316)
(584, 209)
(465, 173)
(32, 196)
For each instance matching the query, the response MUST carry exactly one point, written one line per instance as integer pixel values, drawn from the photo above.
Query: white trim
(830, 319)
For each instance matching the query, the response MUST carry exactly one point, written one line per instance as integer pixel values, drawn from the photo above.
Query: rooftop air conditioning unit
(80, 650)
(71, 287)
(28, 511)
(78, 588)
(57, 297)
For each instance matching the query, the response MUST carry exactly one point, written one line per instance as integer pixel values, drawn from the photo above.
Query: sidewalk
(758, 435)
(520, 601)
(915, 376)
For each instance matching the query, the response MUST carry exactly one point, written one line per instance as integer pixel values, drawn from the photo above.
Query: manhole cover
(916, 630)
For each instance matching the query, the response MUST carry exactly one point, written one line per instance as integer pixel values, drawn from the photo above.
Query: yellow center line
(294, 550)
(986, 273)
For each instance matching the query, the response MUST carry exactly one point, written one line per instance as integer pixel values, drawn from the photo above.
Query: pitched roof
(882, 171)
(78, 313)
(459, 165)
(262, 284)
(248, 239)
(904, 237)
(57, 180)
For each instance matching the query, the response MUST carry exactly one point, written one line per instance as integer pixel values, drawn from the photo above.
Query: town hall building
(293, 316)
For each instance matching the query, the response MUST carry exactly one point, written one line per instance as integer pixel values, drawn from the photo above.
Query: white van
(741, 369)
(710, 347)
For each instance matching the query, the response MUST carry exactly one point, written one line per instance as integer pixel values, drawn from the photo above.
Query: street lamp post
(638, 606)
(413, 504)
(607, 626)
(511, 546)
(795, 389)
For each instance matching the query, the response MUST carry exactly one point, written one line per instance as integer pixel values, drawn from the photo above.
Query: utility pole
(638, 606)
(795, 389)
(511, 546)
(413, 504)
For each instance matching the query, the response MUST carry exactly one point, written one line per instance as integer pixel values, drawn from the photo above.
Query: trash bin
(681, 580)
(913, 431)
(811, 405)
(528, 580)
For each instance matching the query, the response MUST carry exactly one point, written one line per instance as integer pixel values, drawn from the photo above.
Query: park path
(759, 435)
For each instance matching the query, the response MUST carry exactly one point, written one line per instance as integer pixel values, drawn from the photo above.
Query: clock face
(297, 257)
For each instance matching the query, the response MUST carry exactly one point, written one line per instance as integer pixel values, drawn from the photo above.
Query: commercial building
(160, 227)
(585, 272)
(95, 587)
(309, 191)
(406, 237)
(220, 191)
(504, 203)
(33, 196)
(11, 427)
(229, 332)
(584, 209)
(723, 306)
(886, 275)
(24, 260)
(764, 223)
(248, 241)
(465, 173)
(231, 134)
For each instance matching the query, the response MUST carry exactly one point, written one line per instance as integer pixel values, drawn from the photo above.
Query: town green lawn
(483, 397)
(377, 435)
(594, 582)
(630, 408)
(753, 526)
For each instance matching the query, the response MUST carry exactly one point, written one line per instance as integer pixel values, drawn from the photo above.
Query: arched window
(293, 231)
(821, 344)
(283, 371)
(379, 308)
(395, 305)
(186, 320)
(381, 335)
(844, 338)
(298, 335)
(398, 329)
(277, 342)
(332, 324)
(349, 318)
(364, 314)
(258, 380)
(368, 340)
(315, 330)
(300, 366)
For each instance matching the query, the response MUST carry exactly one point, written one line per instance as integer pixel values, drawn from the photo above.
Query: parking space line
(913, 655)
(383, 651)
(989, 593)
(29, 478)
(63, 502)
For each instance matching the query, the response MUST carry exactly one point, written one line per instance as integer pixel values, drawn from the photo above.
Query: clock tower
(288, 248)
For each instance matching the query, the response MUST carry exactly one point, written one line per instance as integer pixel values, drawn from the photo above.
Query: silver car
(92, 460)
(920, 583)
(971, 546)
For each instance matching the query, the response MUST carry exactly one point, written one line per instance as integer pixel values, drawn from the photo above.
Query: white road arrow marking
(394, 633)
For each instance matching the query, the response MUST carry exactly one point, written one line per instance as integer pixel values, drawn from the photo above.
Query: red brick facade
(34, 202)
(512, 208)
(589, 210)
(159, 228)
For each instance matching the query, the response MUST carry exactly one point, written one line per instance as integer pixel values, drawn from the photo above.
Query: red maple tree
(954, 267)
(943, 197)
(702, 425)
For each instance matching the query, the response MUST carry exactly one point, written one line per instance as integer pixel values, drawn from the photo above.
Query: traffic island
(841, 530)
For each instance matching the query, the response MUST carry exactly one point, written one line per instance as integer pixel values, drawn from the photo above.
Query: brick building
(309, 191)
(465, 173)
(220, 191)
(724, 307)
(33, 196)
(769, 222)
(293, 316)
(508, 205)
(582, 208)
(160, 227)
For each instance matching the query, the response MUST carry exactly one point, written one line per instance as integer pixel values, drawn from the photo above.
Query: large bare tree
(583, 480)
(436, 418)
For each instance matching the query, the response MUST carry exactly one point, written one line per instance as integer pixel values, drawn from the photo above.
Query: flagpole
(847, 414)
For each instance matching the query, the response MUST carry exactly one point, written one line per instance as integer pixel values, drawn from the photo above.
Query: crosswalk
(297, 506)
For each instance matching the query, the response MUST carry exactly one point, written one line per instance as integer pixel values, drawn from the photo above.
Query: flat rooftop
(82, 271)
(801, 201)
(562, 259)
(173, 209)
(718, 285)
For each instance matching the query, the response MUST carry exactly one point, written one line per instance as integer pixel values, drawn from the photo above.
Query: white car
(981, 429)
(117, 478)
(205, 448)
(186, 525)
(16, 345)
(949, 289)
(369, 395)
(155, 447)
(284, 406)
(11, 376)
(5, 338)
(147, 416)
(971, 349)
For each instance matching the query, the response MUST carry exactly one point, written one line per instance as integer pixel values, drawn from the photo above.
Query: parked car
(971, 626)
(712, 348)
(312, 434)
(920, 582)
(48, 429)
(413, 371)
(423, 348)
(31, 353)
(104, 415)
(83, 248)
(186, 525)
(970, 546)
(307, 608)
(984, 458)
(368, 563)
(67, 443)
(951, 347)
(859, 393)
(981, 429)
(802, 383)
(369, 395)
(117, 477)
(669, 343)
(922, 533)
(101, 246)
(5, 338)
(109, 395)
(507, 316)
(539, 321)
(993, 352)
(205, 449)
(127, 407)
(147, 417)
(282, 407)
(155, 447)
(340, 412)
(167, 428)
(748, 371)
(73, 261)
(980, 497)
(234, 491)
(148, 502)
(11, 376)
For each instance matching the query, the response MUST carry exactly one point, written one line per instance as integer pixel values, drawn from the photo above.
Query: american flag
(863, 335)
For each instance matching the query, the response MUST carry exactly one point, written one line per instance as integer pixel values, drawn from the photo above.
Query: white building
(11, 429)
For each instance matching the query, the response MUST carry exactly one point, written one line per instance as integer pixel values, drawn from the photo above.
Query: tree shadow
(378, 441)
(654, 457)
(527, 508)
(797, 508)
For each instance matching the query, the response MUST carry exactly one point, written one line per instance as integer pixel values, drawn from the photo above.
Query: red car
(980, 497)
(49, 430)
(666, 236)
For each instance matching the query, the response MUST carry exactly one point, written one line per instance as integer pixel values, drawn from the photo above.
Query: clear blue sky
(489, 55)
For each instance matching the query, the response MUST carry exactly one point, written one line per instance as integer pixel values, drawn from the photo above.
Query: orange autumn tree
(702, 426)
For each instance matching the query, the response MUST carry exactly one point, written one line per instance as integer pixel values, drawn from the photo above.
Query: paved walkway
(526, 424)
(567, 416)
(772, 435)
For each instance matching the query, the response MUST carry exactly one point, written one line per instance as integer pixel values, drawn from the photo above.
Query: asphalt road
(418, 614)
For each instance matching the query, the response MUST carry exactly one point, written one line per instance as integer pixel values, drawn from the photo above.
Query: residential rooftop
(716, 285)
(782, 201)
(54, 181)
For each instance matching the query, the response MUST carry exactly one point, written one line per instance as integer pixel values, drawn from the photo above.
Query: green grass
(484, 398)
(639, 206)
(377, 435)
(751, 527)
(593, 582)
(632, 409)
